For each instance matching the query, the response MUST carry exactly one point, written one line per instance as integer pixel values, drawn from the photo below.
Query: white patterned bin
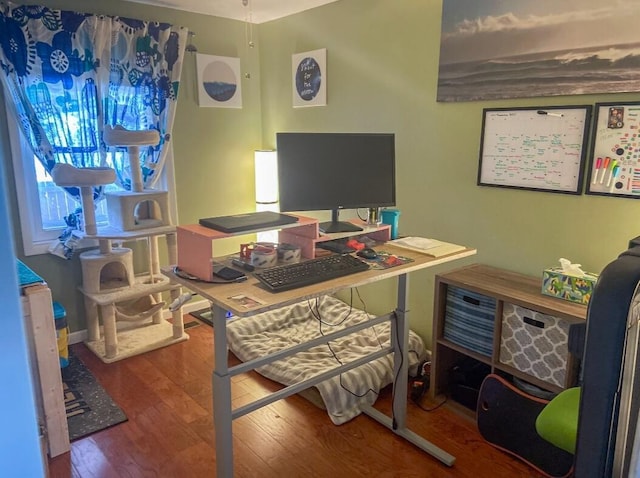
(535, 343)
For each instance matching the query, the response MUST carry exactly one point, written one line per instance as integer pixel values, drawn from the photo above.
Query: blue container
(62, 333)
(391, 217)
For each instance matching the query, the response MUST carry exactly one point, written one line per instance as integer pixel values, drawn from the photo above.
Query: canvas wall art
(219, 82)
(309, 78)
(530, 48)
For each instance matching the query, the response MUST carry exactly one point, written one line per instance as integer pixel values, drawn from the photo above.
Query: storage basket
(469, 320)
(535, 343)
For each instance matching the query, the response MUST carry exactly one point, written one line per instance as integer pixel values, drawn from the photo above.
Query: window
(55, 203)
(42, 205)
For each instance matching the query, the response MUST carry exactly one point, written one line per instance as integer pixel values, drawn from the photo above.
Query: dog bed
(345, 395)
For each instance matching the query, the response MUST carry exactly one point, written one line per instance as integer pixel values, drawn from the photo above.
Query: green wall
(382, 69)
(382, 65)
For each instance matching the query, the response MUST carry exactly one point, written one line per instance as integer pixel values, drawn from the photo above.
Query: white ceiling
(256, 11)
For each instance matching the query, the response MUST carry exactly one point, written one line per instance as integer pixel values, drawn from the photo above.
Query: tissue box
(573, 288)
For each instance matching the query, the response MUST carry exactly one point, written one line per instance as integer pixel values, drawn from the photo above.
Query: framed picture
(219, 81)
(309, 78)
(519, 49)
(538, 148)
(614, 166)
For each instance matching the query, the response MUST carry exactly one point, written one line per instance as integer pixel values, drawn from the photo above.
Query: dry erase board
(614, 168)
(538, 148)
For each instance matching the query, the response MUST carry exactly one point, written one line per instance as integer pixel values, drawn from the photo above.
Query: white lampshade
(266, 171)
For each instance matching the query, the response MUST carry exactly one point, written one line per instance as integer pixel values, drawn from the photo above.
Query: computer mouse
(367, 253)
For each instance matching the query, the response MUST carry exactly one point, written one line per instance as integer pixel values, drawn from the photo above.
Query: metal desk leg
(400, 340)
(221, 382)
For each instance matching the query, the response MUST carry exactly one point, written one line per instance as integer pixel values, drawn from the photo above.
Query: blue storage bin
(470, 320)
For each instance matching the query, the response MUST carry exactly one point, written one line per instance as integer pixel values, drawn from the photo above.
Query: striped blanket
(345, 395)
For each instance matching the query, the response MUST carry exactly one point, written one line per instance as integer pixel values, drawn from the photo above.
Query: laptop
(247, 222)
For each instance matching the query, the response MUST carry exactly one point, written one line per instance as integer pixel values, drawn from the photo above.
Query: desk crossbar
(298, 387)
(326, 338)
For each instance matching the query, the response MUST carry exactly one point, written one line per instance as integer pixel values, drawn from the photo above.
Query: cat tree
(130, 305)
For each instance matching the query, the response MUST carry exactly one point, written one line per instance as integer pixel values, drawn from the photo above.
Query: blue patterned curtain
(68, 74)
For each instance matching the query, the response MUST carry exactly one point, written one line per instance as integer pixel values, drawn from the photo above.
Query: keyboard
(312, 271)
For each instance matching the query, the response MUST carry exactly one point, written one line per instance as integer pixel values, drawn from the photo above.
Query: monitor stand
(337, 226)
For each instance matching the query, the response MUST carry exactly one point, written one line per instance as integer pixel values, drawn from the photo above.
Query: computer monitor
(333, 171)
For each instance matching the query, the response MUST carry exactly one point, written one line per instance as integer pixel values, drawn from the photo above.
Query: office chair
(557, 423)
(597, 421)
(539, 431)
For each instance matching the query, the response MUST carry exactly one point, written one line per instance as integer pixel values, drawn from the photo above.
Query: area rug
(89, 407)
(204, 315)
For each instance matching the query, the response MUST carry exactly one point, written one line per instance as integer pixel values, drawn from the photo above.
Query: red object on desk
(354, 244)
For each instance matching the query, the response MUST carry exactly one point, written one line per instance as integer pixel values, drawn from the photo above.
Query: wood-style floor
(166, 395)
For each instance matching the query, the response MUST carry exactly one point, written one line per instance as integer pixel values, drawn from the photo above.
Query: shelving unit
(195, 242)
(137, 306)
(112, 292)
(508, 291)
(37, 311)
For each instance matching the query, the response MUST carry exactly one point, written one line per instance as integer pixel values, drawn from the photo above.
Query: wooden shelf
(507, 288)
(37, 309)
(195, 242)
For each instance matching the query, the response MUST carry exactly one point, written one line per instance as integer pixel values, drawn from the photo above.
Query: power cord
(420, 386)
(315, 311)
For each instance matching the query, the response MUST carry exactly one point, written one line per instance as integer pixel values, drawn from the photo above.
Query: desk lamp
(266, 177)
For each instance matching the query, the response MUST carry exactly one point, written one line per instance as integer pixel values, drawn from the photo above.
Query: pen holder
(391, 217)
(373, 216)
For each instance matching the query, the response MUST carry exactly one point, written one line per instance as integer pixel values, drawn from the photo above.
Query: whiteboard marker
(557, 115)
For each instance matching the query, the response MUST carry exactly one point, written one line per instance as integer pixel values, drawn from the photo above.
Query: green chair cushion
(558, 421)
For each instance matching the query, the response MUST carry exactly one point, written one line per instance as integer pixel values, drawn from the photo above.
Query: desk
(219, 295)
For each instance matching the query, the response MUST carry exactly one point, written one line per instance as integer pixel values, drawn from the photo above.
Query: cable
(317, 315)
(420, 385)
(395, 380)
(421, 407)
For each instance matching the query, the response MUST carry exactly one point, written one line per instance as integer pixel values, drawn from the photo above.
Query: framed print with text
(309, 78)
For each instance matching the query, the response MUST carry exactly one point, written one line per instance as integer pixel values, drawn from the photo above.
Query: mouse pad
(386, 260)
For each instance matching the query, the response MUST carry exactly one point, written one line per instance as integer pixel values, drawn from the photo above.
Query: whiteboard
(538, 148)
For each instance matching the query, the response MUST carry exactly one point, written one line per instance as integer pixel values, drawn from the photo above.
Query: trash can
(62, 333)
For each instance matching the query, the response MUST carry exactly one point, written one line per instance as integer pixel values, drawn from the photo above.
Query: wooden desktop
(221, 298)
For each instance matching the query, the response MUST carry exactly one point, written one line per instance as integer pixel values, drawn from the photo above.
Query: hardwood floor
(166, 395)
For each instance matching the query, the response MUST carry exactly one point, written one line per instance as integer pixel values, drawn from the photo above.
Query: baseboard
(81, 335)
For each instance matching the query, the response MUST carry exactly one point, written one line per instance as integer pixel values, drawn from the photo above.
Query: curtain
(67, 74)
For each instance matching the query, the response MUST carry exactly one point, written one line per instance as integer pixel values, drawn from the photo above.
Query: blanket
(345, 395)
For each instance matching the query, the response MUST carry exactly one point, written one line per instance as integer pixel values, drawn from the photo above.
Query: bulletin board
(614, 166)
(537, 148)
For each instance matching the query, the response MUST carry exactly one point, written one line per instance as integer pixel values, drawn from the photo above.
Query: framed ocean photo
(219, 82)
(537, 48)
